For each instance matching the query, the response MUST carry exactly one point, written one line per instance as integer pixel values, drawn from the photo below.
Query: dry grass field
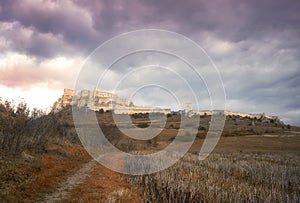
(104, 185)
(226, 177)
(24, 180)
(251, 163)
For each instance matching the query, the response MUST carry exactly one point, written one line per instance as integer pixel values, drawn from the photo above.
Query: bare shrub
(19, 127)
(22, 129)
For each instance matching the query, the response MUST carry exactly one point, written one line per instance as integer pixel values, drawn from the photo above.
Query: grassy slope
(24, 180)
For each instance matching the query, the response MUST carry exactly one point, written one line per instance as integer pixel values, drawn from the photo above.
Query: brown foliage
(28, 181)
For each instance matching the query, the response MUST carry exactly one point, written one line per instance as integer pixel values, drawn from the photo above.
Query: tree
(21, 128)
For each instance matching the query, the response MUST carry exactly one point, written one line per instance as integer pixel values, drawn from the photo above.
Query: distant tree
(201, 128)
(143, 125)
(169, 115)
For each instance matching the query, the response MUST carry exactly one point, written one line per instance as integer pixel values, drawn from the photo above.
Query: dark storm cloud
(57, 18)
(254, 43)
(86, 23)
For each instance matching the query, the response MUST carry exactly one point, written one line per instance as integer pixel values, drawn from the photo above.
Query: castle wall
(96, 100)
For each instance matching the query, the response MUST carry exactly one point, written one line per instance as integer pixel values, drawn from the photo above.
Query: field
(269, 174)
(29, 180)
(251, 163)
(257, 162)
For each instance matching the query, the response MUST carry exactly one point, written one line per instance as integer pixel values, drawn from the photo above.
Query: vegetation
(38, 151)
(226, 178)
(23, 180)
(22, 129)
(143, 125)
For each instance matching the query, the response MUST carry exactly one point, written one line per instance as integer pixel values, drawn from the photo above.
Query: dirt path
(107, 186)
(71, 183)
(95, 183)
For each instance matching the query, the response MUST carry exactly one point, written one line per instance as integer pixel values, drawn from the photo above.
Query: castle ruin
(96, 100)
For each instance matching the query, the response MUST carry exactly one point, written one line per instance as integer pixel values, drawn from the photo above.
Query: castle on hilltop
(260, 116)
(97, 100)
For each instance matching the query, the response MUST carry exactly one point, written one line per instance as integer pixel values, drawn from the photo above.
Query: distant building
(96, 100)
(259, 116)
(65, 100)
(188, 107)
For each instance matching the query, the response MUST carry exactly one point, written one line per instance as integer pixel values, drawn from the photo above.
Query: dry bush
(22, 129)
(19, 128)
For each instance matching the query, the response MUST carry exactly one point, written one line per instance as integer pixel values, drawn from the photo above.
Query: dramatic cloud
(24, 72)
(255, 45)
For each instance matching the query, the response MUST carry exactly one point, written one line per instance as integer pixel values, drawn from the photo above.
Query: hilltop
(98, 100)
(42, 158)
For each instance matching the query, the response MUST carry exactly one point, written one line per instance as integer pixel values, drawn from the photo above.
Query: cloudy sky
(254, 44)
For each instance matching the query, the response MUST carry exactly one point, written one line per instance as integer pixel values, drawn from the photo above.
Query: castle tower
(67, 97)
(188, 107)
(97, 92)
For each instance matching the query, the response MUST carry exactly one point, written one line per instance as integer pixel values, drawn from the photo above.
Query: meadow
(238, 177)
(251, 163)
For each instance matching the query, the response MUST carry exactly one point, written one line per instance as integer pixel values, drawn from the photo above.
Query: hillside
(42, 160)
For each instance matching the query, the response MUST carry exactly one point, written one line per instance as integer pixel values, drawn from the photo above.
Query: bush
(169, 115)
(20, 127)
(143, 125)
(200, 135)
(201, 128)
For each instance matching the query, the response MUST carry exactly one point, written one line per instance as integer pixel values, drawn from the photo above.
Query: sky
(254, 44)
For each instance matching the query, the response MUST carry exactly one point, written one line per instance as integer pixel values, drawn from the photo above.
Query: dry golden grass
(255, 144)
(105, 185)
(239, 177)
(29, 181)
(227, 174)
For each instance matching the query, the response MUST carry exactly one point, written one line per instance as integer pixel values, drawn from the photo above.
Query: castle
(97, 100)
(261, 116)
